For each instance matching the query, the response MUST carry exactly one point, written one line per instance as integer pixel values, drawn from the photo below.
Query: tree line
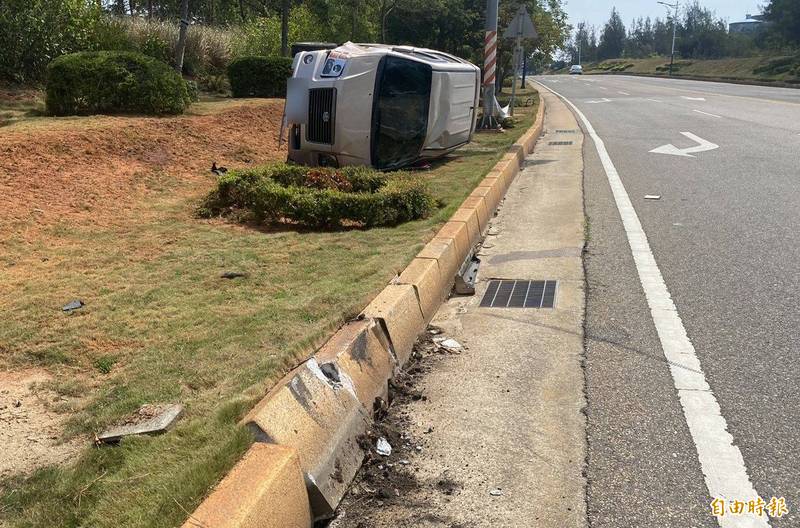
(33, 32)
(700, 34)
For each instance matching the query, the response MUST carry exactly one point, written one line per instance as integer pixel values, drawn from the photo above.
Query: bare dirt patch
(99, 169)
(30, 428)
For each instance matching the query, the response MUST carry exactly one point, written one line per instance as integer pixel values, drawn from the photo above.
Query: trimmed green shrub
(259, 76)
(321, 197)
(100, 82)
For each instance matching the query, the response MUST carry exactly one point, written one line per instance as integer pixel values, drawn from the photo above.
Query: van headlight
(333, 67)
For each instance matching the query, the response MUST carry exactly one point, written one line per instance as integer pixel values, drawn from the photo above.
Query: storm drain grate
(560, 143)
(520, 294)
(571, 131)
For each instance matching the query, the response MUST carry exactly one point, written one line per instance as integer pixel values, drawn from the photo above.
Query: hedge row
(259, 76)
(114, 82)
(321, 197)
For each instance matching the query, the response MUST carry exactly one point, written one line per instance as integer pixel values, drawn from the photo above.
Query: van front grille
(321, 115)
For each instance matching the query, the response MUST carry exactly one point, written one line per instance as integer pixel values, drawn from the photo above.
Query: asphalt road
(725, 237)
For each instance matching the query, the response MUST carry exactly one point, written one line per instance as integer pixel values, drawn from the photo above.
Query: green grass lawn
(160, 325)
(786, 69)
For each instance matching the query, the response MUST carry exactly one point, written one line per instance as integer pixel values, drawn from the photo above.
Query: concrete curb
(264, 489)
(309, 427)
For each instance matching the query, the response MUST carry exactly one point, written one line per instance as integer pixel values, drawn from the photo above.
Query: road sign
(521, 26)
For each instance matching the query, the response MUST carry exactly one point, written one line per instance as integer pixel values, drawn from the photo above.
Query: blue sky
(595, 12)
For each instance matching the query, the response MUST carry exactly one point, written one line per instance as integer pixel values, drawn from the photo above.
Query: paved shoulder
(502, 421)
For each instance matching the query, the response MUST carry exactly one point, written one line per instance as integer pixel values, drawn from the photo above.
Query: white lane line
(720, 459)
(602, 87)
(706, 113)
(655, 100)
(693, 98)
(623, 93)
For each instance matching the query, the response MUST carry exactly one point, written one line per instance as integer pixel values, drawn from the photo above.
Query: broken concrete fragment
(149, 419)
(72, 305)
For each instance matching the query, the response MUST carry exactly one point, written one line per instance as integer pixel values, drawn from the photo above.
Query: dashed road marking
(706, 113)
(721, 461)
(623, 93)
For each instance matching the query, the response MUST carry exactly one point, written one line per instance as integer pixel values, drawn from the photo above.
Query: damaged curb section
(309, 427)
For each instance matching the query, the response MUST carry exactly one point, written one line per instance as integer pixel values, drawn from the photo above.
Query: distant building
(751, 25)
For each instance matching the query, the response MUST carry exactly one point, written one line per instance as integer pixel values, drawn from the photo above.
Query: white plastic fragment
(652, 196)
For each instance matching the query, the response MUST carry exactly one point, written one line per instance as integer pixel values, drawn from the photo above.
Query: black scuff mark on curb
(384, 482)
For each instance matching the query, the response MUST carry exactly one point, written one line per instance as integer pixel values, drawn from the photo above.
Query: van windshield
(400, 112)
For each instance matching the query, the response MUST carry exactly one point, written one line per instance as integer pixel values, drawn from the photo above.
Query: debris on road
(496, 492)
(652, 196)
(383, 447)
(451, 345)
(72, 305)
(149, 419)
(387, 480)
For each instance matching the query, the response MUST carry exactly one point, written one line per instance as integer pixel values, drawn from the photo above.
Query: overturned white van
(380, 105)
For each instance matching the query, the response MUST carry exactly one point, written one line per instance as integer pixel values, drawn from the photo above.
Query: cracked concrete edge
(308, 427)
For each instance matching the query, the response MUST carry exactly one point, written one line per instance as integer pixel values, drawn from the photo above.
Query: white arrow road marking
(623, 93)
(702, 146)
(721, 462)
(706, 113)
(693, 98)
(603, 100)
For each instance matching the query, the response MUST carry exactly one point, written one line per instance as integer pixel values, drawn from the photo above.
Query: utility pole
(674, 29)
(488, 121)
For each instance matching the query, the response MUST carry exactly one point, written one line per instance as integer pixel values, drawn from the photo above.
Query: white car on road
(576, 69)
